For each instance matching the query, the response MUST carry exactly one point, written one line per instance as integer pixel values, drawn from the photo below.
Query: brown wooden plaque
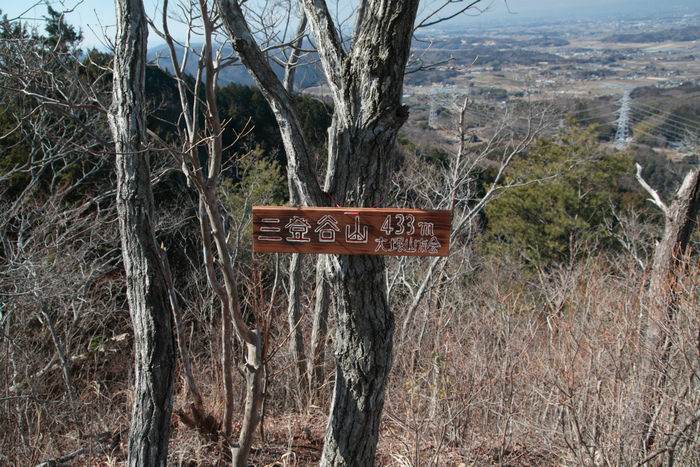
(351, 231)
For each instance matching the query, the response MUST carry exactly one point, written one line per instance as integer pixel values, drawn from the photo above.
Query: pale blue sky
(96, 17)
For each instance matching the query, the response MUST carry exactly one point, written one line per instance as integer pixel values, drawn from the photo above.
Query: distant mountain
(307, 73)
(233, 74)
(687, 34)
(531, 13)
(581, 9)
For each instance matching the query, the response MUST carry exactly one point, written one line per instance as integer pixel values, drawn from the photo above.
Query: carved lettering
(366, 231)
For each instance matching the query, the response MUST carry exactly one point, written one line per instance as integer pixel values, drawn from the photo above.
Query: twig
(97, 448)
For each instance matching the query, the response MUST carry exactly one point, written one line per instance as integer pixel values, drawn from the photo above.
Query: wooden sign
(351, 231)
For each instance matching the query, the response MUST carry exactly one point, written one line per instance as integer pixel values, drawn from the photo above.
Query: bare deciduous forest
(562, 329)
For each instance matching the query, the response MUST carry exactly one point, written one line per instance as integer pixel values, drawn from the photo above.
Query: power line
(676, 117)
(666, 127)
(665, 119)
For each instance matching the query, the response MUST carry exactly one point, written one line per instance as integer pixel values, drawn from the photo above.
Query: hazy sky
(96, 17)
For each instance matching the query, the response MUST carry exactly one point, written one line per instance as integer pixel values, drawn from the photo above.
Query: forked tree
(200, 154)
(680, 220)
(365, 77)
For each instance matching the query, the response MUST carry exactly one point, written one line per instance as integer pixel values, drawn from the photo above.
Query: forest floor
(297, 440)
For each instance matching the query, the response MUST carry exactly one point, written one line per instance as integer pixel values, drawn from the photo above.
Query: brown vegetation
(495, 360)
(486, 375)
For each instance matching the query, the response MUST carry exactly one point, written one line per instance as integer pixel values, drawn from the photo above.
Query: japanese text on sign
(351, 231)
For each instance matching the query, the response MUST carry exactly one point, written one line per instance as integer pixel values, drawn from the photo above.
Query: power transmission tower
(433, 118)
(622, 136)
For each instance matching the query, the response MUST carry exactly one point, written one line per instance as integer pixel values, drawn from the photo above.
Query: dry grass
(489, 375)
(494, 378)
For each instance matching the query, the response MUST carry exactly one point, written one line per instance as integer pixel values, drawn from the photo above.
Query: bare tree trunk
(290, 69)
(319, 331)
(253, 402)
(206, 424)
(154, 346)
(409, 314)
(364, 339)
(680, 221)
(65, 365)
(366, 84)
(253, 367)
(296, 343)
(226, 320)
(217, 257)
(368, 115)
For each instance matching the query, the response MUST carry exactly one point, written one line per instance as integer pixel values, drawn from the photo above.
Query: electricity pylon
(433, 118)
(622, 136)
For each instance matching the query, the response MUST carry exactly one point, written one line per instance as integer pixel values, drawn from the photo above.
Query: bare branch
(436, 18)
(655, 198)
(301, 172)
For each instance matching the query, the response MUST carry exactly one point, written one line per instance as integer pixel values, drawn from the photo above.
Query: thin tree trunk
(147, 292)
(319, 331)
(199, 420)
(253, 401)
(296, 343)
(680, 221)
(226, 320)
(366, 84)
(409, 314)
(206, 181)
(65, 365)
(253, 367)
(290, 70)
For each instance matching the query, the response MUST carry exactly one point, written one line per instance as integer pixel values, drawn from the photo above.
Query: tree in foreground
(665, 290)
(154, 346)
(365, 77)
(202, 159)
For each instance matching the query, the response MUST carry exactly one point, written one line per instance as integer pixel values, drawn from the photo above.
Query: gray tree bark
(680, 221)
(296, 342)
(363, 351)
(154, 346)
(319, 331)
(294, 315)
(366, 84)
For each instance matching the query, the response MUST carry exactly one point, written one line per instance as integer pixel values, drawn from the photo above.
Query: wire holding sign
(362, 231)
